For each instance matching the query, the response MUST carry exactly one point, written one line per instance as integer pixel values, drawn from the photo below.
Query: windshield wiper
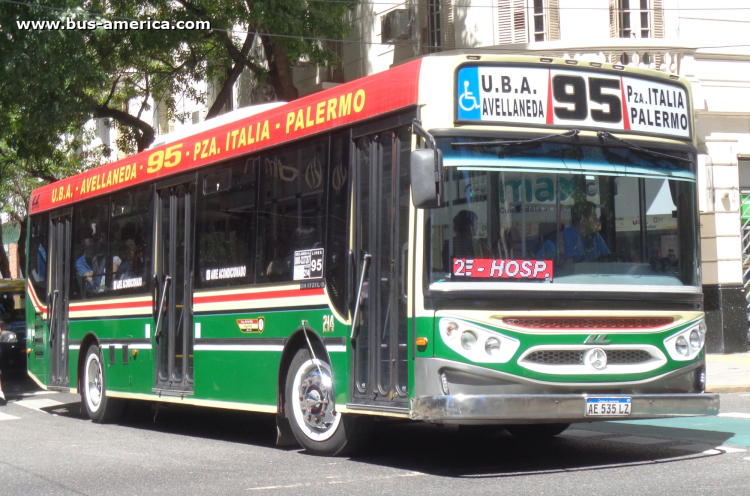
(570, 134)
(633, 146)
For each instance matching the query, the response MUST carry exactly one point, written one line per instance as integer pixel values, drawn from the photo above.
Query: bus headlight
(8, 337)
(474, 342)
(695, 339)
(702, 328)
(681, 345)
(468, 340)
(492, 346)
(688, 343)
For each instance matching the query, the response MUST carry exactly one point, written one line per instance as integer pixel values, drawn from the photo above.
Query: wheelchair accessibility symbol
(467, 101)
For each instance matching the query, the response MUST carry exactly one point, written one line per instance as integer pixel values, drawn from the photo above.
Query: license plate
(607, 407)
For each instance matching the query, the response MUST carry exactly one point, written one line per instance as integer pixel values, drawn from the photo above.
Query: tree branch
(239, 65)
(148, 134)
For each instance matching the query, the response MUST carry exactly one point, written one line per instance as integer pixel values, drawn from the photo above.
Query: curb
(728, 389)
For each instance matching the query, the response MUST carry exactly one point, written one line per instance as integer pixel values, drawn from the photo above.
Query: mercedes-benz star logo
(597, 358)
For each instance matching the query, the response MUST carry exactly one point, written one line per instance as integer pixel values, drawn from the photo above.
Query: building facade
(705, 44)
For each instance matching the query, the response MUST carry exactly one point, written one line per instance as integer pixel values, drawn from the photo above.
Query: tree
(53, 81)
(116, 73)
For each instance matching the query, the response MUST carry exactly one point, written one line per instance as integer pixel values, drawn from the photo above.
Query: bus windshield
(556, 215)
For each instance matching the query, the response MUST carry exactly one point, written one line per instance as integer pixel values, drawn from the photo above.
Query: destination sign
(573, 98)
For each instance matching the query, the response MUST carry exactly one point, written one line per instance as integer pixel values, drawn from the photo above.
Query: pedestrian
(3, 326)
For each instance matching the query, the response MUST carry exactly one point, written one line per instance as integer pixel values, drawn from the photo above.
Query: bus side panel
(425, 328)
(135, 376)
(242, 365)
(37, 359)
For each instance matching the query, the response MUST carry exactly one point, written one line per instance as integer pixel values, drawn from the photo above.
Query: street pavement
(49, 447)
(728, 373)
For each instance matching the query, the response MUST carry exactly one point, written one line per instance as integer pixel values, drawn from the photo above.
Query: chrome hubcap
(315, 401)
(94, 387)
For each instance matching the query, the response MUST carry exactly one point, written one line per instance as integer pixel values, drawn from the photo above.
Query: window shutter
(424, 26)
(449, 36)
(614, 19)
(553, 20)
(511, 22)
(336, 74)
(657, 19)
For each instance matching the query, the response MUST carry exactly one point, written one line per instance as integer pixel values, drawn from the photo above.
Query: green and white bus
(462, 239)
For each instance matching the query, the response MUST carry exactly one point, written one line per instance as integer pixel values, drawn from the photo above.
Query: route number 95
(572, 90)
(164, 158)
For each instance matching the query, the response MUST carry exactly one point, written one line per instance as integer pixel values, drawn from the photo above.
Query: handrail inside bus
(167, 280)
(51, 316)
(365, 264)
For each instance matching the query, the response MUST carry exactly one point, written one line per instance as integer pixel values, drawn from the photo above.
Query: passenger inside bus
(90, 267)
(123, 265)
(581, 241)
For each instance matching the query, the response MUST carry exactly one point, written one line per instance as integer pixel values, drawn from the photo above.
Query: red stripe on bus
(35, 301)
(291, 293)
(625, 116)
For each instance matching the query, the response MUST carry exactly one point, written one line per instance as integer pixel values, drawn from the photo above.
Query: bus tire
(309, 406)
(536, 431)
(98, 406)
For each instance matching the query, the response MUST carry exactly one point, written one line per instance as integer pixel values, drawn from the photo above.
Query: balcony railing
(646, 53)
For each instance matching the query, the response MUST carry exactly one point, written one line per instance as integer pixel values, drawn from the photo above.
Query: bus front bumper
(554, 408)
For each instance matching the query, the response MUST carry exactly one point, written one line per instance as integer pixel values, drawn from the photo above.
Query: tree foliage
(54, 81)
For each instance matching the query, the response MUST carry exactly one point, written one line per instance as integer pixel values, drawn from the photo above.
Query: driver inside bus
(465, 244)
(581, 241)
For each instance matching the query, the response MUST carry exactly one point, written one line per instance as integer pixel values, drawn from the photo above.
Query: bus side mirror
(426, 167)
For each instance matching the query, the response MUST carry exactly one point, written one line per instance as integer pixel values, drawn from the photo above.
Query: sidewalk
(728, 373)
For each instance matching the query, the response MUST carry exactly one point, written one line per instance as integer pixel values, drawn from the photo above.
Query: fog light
(492, 346)
(444, 384)
(681, 345)
(451, 330)
(468, 340)
(695, 339)
(701, 380)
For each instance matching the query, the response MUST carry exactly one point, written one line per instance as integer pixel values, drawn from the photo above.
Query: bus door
(173, 281)
(381, 231)
(59, 258)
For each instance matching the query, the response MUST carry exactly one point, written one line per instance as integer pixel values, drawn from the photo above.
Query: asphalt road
(48, 447)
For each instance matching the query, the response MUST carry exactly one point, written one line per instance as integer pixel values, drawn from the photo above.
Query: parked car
(13, 338)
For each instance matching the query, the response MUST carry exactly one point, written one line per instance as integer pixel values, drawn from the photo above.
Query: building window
(435, 33)
(636, 19)
(546, 20)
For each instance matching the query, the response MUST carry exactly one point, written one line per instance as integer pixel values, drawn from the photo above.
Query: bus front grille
(575, 357)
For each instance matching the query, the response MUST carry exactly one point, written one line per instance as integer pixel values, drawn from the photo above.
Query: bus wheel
(536, 431)
(93, 391)
(309, 405)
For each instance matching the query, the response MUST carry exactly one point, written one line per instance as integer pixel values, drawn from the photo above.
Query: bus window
(129, 244)
(576, 215)
(338, 220)
(225, 227)
(292, 212)
(90, 226)
(38, 246)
